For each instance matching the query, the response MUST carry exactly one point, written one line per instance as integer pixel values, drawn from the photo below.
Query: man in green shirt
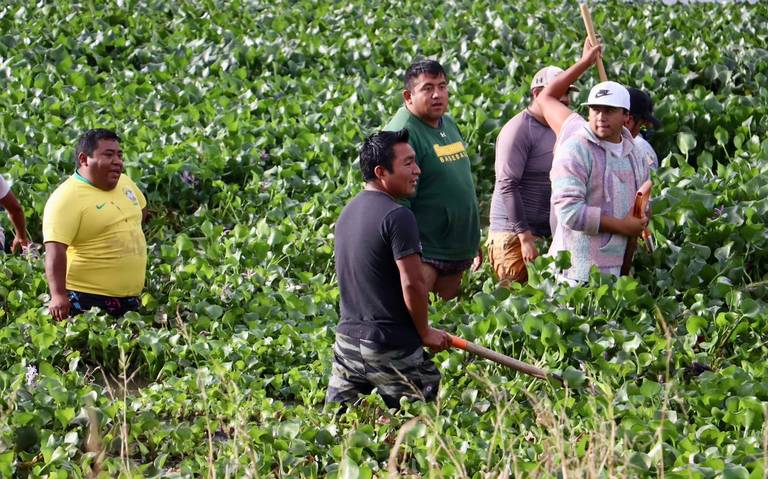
(445, 204)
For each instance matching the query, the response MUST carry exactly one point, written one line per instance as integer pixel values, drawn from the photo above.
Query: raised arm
(548, 101)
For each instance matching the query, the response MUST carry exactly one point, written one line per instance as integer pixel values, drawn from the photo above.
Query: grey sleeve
(512, 149)
(401, 230)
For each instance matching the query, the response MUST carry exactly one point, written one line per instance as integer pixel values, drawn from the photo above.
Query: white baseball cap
(545, 75)
(609, 93)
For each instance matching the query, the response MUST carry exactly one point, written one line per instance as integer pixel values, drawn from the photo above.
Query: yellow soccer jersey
(107, 251)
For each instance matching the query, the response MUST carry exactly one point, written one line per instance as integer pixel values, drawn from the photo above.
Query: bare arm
(16, 213)
(627, 226)
(56, 272)
(548, 101)
(416, 299)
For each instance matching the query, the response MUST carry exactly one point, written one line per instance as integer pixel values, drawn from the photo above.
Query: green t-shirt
(445, 204)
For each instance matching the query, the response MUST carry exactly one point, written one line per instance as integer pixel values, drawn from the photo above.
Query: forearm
(19, 224)
(16, 214)
(417, 304)
(561, 83)
(56, 272)
(609, 224)
(548, 101)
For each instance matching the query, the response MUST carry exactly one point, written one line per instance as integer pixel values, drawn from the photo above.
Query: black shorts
(82, 302)
(447, 267)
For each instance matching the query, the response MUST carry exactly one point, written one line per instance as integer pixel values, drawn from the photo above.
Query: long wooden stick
(502, 359)
(587, 17)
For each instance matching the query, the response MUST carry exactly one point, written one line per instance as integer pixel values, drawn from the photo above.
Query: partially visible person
(520, 202)
(383, 324)
(16, 214)
(95, 251)
(445, 204)
(641, 116)
(596, 172)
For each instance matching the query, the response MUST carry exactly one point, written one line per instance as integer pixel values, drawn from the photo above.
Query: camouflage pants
(360, 365)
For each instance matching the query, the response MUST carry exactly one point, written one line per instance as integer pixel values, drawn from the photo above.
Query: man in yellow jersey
(95, 251)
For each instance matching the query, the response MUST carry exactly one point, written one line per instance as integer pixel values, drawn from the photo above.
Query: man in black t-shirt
(384, 297)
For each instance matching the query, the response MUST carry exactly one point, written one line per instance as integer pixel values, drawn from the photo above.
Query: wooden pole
(502, 359)
(587, 17)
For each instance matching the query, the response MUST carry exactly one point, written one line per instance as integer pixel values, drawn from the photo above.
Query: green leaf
(289, 429)
(214, 311)
(6, 464)
(695, 324)
(685, 142)
(183, 243)
(469, 396)
(650, 389)
(348, 469)
(573, 377)
(641, 461)
(65, 415)
(735, 472)
(723, 253)
(721, 134)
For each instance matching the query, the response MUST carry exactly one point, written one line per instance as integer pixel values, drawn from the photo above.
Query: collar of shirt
(80, 177)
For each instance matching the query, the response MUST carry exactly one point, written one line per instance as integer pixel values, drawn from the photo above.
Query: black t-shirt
(372, 232)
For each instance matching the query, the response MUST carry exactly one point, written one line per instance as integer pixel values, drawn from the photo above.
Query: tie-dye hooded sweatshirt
(589, 181)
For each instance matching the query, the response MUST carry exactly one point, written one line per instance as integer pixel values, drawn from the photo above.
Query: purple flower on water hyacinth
(227, 293)
(264, 155)
(718, 211)
(31, 251)
(31, 376)
(188, 178)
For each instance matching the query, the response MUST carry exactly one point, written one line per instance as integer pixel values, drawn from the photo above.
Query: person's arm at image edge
(16, 214)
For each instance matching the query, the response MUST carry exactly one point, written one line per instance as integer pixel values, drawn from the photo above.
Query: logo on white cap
(609, 93)
(544, 76)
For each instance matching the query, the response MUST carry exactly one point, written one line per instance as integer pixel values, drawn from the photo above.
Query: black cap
(641, 106)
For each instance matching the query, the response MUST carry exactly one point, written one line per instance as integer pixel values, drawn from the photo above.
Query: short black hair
(379, 150)
(89, 140)
(419, 67)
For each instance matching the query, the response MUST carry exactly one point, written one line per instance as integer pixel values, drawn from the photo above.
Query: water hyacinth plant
(241, 121)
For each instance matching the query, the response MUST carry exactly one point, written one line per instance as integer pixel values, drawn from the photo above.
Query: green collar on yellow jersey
(80, 177)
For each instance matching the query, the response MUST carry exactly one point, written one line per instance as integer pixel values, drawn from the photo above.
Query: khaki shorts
(506, 257)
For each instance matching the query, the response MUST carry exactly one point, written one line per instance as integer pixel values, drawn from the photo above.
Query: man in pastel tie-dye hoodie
(596, 171)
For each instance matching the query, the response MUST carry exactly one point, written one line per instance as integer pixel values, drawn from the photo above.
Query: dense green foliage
(241, 122)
